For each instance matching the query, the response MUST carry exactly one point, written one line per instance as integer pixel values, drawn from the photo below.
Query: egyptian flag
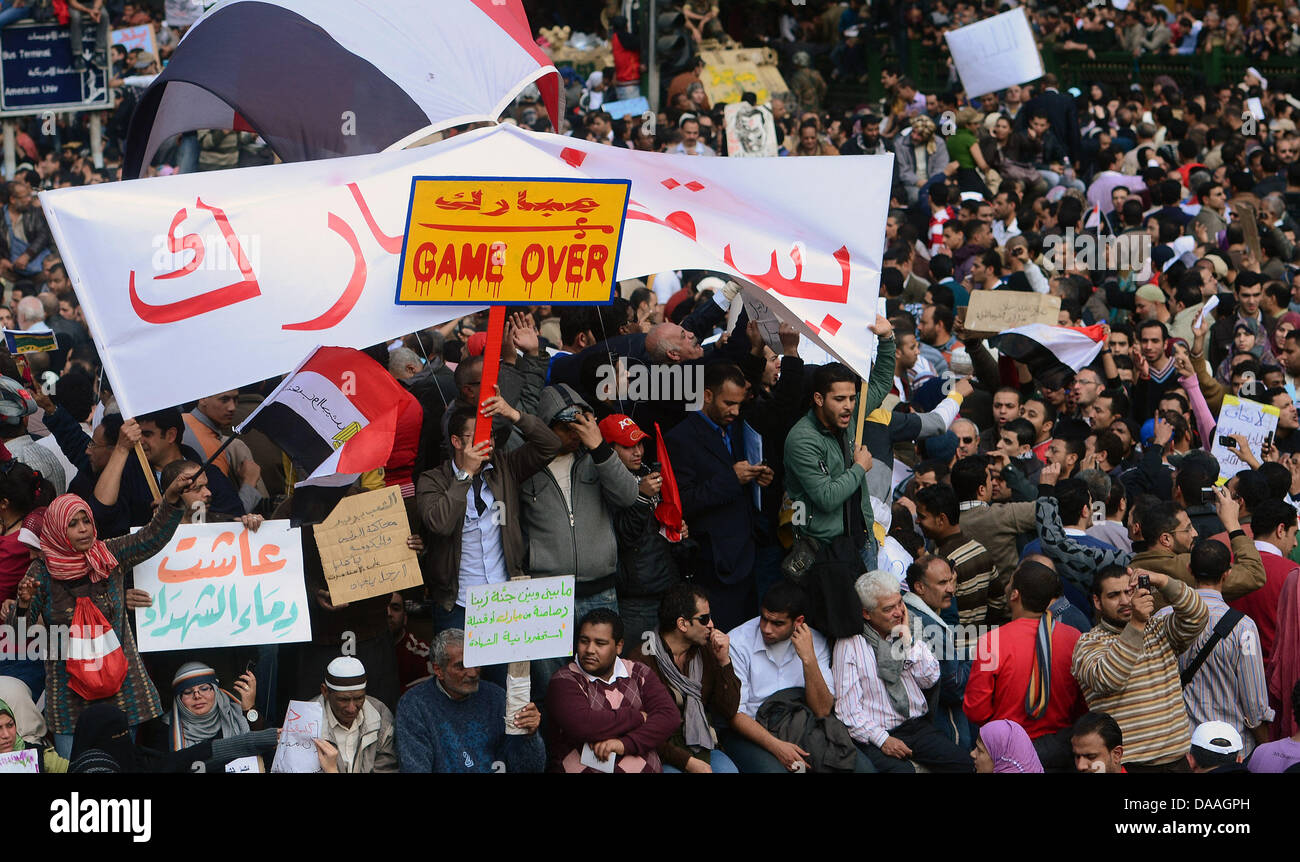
(669, 511)
(1052, 349)
(319, 79)
(335, 415)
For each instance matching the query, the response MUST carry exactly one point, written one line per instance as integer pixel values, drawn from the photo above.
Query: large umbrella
(324, 78)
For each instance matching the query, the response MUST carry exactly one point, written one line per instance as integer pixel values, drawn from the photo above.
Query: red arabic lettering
(191, 242)
(231, 294)
(680, 220)
(352, 293)
(796, 287)
(390, 244)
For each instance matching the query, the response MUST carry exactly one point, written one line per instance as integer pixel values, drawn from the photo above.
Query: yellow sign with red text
(511, 241)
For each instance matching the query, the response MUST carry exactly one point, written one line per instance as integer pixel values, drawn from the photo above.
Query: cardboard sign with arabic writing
(363, 547)
(520, 241)
(994, 311)
(519, 621)
(222, 585)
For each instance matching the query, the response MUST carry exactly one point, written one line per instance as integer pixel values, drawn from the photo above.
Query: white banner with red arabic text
(199, 283)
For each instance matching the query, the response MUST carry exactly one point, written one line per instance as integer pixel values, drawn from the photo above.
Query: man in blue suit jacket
(710, 451)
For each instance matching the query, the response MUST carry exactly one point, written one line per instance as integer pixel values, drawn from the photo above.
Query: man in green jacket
(821, 470)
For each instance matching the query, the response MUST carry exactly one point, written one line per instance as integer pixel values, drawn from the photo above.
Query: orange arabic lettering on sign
(221, 567)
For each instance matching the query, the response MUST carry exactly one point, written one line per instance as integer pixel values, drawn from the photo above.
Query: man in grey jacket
(568, 509)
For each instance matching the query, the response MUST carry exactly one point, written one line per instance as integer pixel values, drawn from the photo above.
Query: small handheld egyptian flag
(335, 415)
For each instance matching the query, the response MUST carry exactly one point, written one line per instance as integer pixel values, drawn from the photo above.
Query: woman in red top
(22, 490)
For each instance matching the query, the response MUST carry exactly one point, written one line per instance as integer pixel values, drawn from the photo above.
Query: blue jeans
(187, 158)
(640, 617)
(718, 761)
(10, 13)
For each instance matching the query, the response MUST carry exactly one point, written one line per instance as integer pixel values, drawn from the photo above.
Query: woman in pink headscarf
(75, 563)
(1004, 746)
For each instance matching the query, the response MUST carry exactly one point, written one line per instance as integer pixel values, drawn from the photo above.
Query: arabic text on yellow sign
(504, 241)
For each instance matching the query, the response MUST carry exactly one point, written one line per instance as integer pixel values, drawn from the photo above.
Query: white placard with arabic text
(519, 621)
(222, 585)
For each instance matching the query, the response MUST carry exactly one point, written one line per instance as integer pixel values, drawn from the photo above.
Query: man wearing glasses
(1169, 535)
(1087, 386)
(693, 660)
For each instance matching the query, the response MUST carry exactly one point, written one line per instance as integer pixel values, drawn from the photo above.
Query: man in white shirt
(691, 145)
(882, 677)
(360, 727)
(774, 651)
(1005, 225)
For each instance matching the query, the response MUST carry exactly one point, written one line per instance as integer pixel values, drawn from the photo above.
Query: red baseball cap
(620, 429)
(477, 344)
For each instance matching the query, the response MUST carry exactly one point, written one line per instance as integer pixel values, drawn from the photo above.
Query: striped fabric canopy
(324, 78)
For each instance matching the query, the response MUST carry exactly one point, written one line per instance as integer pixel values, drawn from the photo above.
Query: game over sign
(511, 241)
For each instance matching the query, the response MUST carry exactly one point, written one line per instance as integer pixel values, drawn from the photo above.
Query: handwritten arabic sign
(994, 311)
(222, 585)
(519, 621)
(1239, 416)
(511, 241)
(296, 752)
(19, 761)
(363, 547)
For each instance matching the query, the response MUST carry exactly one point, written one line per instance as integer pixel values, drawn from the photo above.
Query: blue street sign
(36, 71)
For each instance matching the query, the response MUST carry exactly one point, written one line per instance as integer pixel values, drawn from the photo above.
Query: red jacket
(999, 678)
(1261, 605)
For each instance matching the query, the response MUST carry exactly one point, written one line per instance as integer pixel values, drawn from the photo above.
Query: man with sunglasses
(693, 660)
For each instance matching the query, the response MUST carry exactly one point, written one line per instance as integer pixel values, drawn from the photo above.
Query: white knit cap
(345, 673)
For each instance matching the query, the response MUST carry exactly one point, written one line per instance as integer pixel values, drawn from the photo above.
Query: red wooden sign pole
(491, 365)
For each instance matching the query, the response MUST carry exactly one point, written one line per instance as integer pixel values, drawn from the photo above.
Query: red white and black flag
(335, 415)
(1047, 349)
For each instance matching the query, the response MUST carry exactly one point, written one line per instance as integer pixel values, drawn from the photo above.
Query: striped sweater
(978, 603)
(1133, 676)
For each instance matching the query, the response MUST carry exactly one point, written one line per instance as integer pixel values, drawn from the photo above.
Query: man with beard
(453, 723)
(866, 141)
(1127, 666)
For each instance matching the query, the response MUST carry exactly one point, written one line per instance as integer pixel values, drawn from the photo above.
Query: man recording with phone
(1127, 666)
(1169, 534)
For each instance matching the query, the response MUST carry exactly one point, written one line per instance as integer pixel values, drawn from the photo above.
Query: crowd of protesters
(1023, 565)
